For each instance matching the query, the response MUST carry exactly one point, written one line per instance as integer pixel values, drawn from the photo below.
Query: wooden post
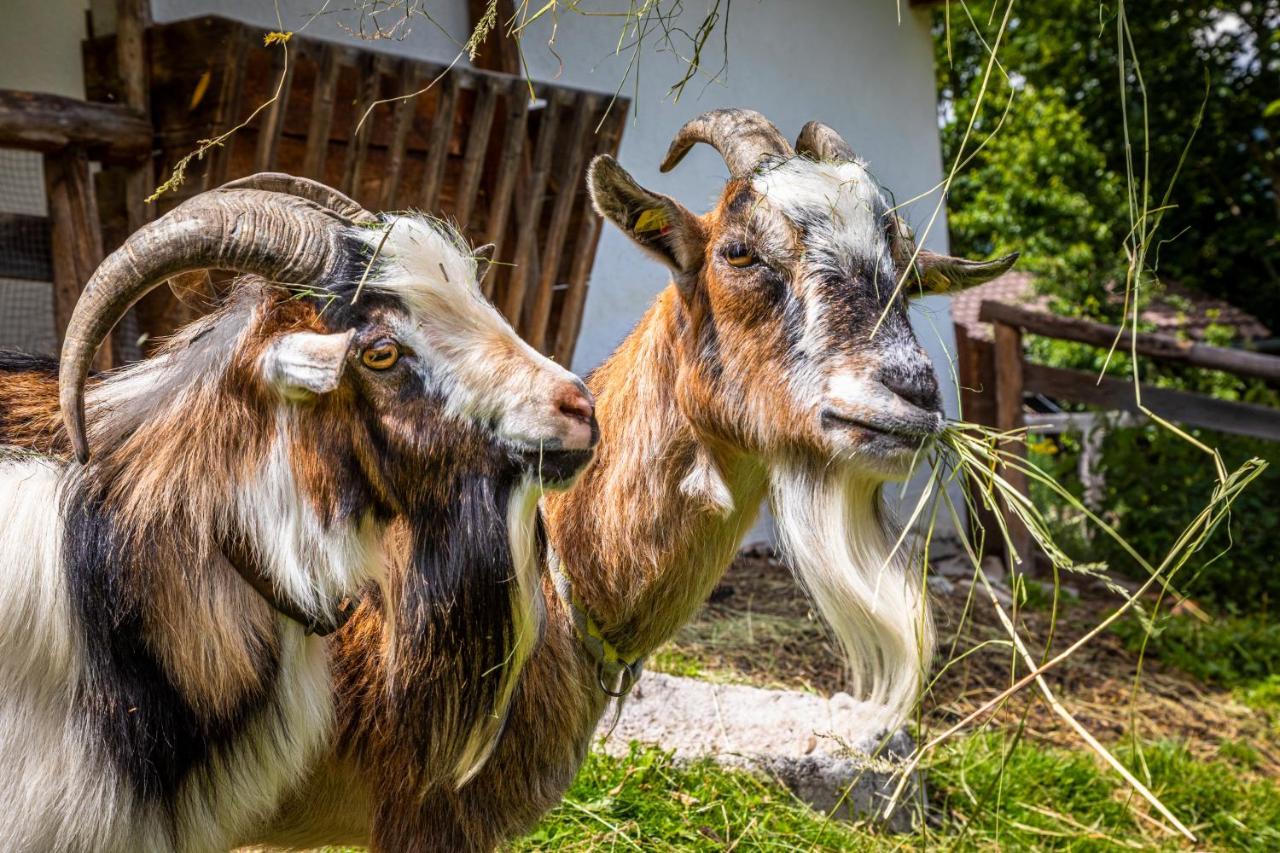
(75, 235)
(498, 51)
(1009, 387)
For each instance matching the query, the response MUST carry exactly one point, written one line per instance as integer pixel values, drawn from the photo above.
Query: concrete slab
(832, 753)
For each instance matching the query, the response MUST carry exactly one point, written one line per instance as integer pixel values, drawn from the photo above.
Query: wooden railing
(996, 377)
(70, 134)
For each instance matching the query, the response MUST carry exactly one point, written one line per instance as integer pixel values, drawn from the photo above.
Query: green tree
(1222, 234)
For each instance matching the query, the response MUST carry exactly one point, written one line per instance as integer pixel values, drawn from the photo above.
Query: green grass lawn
(984, 795)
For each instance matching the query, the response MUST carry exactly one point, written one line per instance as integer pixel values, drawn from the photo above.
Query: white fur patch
(471, 355)
(704, 483)
(308, 562)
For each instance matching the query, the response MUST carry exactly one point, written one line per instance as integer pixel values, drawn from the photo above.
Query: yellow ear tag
(653, 219)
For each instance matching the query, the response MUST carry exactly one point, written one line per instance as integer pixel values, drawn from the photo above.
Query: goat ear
(658, 224)
(943, 273)
(302, 364)
(483, 256)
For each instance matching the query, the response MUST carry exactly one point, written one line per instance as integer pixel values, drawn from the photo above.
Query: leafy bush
(1234, 651)
(1155, 483)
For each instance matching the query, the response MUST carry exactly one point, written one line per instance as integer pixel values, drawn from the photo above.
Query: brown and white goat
(759, 373)
(354, 381)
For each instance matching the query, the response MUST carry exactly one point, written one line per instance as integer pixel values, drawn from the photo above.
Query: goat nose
(917, 387)
(572, 403)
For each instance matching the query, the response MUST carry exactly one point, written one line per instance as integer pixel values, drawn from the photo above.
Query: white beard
(832, 528)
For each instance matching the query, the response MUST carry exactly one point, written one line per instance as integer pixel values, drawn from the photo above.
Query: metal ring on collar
(626, 681)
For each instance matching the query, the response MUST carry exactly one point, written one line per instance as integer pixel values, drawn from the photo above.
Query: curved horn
(321, 194)
(820, 142)
(248, 227)
(743, 138)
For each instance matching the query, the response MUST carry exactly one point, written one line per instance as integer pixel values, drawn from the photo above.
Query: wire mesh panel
(26, 276)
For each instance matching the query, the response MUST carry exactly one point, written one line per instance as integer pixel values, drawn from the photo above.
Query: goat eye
(381, 355)
(738, 255)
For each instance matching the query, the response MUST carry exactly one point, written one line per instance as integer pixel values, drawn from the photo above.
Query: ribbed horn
(322, 194)
(743, 138)
(819, 142)
(259, 225)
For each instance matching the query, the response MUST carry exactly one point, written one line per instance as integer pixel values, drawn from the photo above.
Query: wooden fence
(996, 377)
(474, 148)
(66, 247)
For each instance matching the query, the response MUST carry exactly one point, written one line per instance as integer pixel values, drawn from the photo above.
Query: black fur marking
(12, 361)
(454, 618)
(155, 738)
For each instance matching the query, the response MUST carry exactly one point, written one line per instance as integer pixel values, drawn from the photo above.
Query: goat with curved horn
(744, 138)
(257, 225)
(164, 684)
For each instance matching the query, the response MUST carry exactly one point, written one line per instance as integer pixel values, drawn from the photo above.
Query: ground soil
(759, 628)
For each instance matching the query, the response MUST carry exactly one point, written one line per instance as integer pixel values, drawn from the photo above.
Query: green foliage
(1154, 482)
(647, 801)
(1066, 118)
(1039, 186)
(1052, 799)
(1234, 651)
(1048, 799)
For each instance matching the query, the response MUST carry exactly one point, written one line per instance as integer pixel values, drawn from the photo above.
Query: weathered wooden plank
(321, 121)
(477, 145)
(498, 51)
(405, 110)
(230, 101)
(438, 147)
(48, 123)
(1009, 391)
(74, 235)
(24, 247)
(531, 214)
(1197, 410)
(1158, 346)
(578, 141)
(369, 85)
(584, 249)
(132, 19)
(504, 184)
(271, 123)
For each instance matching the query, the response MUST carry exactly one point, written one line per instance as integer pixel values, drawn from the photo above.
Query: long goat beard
(835, 534)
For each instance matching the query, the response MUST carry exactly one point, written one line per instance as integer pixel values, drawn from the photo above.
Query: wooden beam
(1197, 410)
(321, 121)
(482, 113)
(1158, 346)
(74, 234)
(1009, 391)
(530, 199)
(514, 131)
(48, 123)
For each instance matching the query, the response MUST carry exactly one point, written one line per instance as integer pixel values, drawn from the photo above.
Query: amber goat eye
(380, 356)
(740, 256)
